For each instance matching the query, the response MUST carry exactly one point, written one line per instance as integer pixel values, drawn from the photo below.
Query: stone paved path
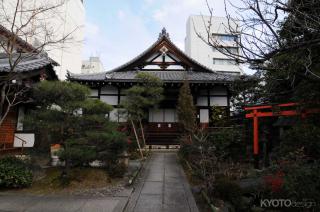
(162, 187)
(31, 203)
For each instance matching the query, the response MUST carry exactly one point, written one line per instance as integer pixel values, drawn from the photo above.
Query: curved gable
(162, 55)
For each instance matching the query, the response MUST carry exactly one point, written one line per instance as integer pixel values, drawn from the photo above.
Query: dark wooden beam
(163, 63)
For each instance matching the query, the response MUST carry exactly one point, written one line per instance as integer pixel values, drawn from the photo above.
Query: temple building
(31, 70)
(33, 67)
(166, 61)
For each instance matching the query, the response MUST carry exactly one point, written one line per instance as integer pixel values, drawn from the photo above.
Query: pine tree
(141, 97)
(186, 109)
(77, 123)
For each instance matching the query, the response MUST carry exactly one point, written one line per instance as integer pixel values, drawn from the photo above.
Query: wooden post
(142, 132)
(255, 139)
(268, 111)
(135, 133)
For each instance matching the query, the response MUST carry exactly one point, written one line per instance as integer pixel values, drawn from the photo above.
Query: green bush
(229, 143)
(304, 136)
(228, 190)
(298, 159)
(188, 150)
(116, 170)
(14, 173)
(302, 181)
(132, 144)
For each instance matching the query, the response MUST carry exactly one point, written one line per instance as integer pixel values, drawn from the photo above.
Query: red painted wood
(257, 107)
(269, 114)
(255, 114)
(163, 135)
(8, 128)
(288, 104)
(255, 135)
(204, 125)
(271, 106)
(164, 127)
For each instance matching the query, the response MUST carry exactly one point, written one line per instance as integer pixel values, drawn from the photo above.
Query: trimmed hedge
(14, 173)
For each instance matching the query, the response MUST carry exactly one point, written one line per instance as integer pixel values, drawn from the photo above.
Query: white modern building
(66, 20)
(197, 49)
(72, 20)
(69, 19)
(91, 66)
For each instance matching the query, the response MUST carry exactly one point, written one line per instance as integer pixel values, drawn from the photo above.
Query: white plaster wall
(204, 115)
(94, 92)
(113, 115)
(113, 92)
(111, 100)
(162, 115)
(122, 115)
(21, 113)
(155, 115)
(169, 115)
(117, 115)
(199, 50)
(218, 101)
(122, 98)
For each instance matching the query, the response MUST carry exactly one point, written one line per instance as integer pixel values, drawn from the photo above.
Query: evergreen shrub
(228, 191)
(14, 173)
(116, 170)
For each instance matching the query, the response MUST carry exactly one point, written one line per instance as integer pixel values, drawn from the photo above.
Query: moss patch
(82, 179)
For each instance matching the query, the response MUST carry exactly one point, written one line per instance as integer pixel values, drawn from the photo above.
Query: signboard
(23, 140)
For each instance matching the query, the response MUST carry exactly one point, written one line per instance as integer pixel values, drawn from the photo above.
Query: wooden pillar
(255, 139)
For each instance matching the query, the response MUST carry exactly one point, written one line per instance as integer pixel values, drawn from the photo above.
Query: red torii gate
(286, 109)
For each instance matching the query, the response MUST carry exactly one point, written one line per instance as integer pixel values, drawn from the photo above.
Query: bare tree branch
(259, 26)
(26, 21)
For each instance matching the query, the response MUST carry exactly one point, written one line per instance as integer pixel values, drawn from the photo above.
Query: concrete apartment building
(91, 66)
(205, 54)
(64, 20)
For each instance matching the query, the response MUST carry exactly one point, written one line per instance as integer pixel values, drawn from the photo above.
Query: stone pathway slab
(162, 186)
(33, 203)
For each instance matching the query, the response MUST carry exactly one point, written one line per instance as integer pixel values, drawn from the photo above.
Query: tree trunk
(66, 168)
(4, 115)
(137, 138)
(142, 132)
(3, 112)
(65, 173)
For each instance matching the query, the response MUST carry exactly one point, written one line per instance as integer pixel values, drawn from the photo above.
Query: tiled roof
(165, 75)
(28, 62)
(87, 77)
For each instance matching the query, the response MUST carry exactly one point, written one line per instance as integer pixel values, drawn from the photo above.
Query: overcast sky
(118, 30)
